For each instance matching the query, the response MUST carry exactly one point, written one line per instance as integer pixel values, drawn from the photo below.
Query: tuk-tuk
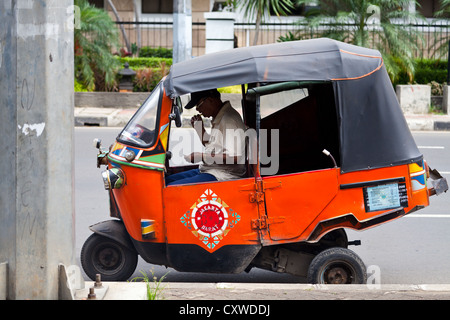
(330, 149)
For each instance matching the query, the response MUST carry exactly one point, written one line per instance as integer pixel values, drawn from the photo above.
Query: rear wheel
(337, 266)
(101, 255)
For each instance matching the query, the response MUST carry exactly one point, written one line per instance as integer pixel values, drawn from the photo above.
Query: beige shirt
(227, 137)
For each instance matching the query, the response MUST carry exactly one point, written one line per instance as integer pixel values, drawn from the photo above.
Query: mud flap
(115, 230)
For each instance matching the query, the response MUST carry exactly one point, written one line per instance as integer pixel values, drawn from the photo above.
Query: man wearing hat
(223, 155)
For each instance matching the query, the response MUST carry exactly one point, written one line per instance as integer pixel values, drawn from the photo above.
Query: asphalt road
(410, 250)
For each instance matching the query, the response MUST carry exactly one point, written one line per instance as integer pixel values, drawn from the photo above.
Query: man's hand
(199, 127)
(196, 118)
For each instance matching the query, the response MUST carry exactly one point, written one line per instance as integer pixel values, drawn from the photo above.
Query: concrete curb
(428, 122)
(269, 291)
(102, 117)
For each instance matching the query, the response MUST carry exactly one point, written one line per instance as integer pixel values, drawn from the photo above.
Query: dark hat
(199, 95)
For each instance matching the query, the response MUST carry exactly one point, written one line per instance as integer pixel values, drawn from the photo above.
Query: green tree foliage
(95, 65)
(261, 9)
(381, 24)
(444, 9)
(441, 45)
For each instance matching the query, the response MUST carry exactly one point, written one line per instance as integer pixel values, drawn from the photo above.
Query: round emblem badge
(209, 218)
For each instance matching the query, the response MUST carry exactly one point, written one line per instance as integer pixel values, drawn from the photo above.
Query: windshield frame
(138, 113)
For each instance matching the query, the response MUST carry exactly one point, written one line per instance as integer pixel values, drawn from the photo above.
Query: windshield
(140, 131)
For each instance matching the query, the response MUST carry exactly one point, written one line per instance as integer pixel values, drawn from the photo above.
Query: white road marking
(431, 147)
(428, 216)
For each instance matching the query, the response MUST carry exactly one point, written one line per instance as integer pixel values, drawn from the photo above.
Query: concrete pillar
(36, 158)
(219, 31)
(446, 99)
(182, 30)
(414, 99)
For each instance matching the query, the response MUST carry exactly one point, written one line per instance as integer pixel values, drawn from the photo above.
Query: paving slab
(268, 291)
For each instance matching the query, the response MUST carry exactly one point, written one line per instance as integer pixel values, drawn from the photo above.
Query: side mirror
(176, 116)
(102, 153)
(97, 143)
(179, 104)
(177, 111)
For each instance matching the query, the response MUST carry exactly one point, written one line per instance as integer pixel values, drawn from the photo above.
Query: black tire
(337, 266)
(110, 259)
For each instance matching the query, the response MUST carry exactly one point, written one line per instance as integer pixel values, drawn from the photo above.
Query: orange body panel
(294, 200)
(297, 203)
(141, 198)
(183, 225)
(292, 206)
(350, 201)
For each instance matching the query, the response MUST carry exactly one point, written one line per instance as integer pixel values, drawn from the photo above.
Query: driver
(222, 158)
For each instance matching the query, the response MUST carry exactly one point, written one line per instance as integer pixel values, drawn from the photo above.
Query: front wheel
(101, 255)
(337, 266)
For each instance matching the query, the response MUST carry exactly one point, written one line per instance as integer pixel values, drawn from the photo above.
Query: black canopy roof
(373, 131)
(316, 59)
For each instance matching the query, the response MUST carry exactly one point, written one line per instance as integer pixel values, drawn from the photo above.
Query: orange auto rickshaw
(345, 158)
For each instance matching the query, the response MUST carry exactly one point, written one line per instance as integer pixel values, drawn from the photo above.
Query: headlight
(113, 178)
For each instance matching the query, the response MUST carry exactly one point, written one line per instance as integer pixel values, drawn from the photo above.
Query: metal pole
(36, 162)
(182, 30)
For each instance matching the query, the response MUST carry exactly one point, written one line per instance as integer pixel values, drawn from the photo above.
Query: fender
(115, 230)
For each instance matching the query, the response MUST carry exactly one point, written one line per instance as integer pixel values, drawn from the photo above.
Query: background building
(155, 28)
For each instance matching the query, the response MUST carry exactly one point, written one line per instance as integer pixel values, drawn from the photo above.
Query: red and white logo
(209, 218)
